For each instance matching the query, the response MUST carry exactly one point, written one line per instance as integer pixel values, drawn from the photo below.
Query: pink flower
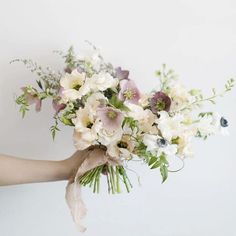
(111, 118)
(129, 91)
(160, 102)
(58, 106)
(32, 98)
(122, 74)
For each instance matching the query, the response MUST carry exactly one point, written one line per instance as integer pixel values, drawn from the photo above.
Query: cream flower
(180, 96)
(101, 82)
(184, 145)
(71, 84)
(94, 101)
(145, 117)
(73, 80)
(84, 119)
(106, 137)
(84, 139)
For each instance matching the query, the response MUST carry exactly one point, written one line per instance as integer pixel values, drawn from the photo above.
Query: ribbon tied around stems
(73, 190)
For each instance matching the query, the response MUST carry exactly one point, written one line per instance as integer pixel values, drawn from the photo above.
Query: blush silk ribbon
(73, 190)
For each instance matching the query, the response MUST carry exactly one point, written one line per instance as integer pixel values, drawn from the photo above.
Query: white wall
(196, 38)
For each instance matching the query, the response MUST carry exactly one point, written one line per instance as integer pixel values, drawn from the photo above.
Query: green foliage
(229, 85)
(165, 76)
(54, 129)
(131, 122)
(114, 175)
(49, 80)
(118, 104)
(153, 161)
(24, 106)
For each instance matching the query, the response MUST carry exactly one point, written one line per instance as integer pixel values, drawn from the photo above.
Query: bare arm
(15, 170)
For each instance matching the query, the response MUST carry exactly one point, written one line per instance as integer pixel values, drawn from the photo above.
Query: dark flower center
(122, 144)
(224, 122)
(76, 86)
(161, 142)
(160, 105)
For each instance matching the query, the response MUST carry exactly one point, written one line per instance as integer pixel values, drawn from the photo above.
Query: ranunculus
(101, 82)
(129, 91)
(160, 102)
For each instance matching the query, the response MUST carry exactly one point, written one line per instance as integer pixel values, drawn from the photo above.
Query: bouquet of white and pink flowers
(107, 110)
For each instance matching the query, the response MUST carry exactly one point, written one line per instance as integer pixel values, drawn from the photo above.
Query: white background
(196, 38)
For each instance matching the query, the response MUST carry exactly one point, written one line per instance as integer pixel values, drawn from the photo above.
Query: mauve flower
(129, 91)
(111, 118)
(32, 98)
(122, 74)
(160, 102)
(58, 106)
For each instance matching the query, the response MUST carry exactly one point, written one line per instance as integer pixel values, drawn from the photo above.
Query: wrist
(64, 171)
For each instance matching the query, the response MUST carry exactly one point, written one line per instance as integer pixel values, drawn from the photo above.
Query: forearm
(18, 171)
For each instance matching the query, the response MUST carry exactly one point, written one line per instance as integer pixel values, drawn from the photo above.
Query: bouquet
(107, 110)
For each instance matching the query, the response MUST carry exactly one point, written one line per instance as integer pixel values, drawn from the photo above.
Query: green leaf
(164, 172)
(39, 84)
(115, 102)
(54, 129)
(131, 122)
(66, 121)
(152, 160)
(156, 165)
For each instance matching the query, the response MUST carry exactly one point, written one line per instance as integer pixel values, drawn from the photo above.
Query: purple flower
(32, 98)
(57, 106)
(111, 118)
(160, 102)
(122, 74)
(129, 91)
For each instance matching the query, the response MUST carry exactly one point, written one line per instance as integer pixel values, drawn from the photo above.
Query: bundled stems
(114, 175)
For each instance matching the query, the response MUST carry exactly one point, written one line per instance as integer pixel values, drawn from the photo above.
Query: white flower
(158, 145)
(69, 95)
(71, 84)
(170, 127)
(211, 124)
(101, 82)
(84, 119)
(106, 137)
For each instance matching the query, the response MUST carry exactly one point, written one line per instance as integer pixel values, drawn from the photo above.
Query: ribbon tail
(76, 204)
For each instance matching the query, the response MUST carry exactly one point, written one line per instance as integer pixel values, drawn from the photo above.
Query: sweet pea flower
(111, 118)
(160, 102)
(129, 91)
